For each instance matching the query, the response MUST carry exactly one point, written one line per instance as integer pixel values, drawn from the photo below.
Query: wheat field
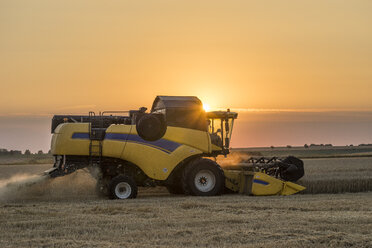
(167, 221)
(337, 175)
(65, 212)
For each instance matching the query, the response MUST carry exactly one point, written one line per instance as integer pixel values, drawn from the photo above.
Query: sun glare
(206, 107)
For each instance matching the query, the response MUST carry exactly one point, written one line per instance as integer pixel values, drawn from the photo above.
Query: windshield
(220, 131)
(215, 131)
(220, 125)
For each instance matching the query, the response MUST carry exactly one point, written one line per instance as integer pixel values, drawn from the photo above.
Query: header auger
(168, 146)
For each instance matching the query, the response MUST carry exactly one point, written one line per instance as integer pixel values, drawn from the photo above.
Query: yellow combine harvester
(168, 146)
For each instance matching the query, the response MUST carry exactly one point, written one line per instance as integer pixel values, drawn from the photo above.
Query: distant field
(311, 152)
(23, 159)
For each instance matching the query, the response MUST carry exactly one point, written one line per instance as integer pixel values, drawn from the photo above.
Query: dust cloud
(232, 159)
(28, 187)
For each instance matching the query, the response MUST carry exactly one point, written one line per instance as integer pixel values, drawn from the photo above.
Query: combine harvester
(170, 147)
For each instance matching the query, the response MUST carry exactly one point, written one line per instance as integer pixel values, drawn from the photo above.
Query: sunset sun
(206, 107)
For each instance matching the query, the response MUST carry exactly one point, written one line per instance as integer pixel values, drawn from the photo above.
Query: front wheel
(123, 187)
(203, 177)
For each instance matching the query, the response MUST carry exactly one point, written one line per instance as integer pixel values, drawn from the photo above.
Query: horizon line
(257, 110)
(303, 110)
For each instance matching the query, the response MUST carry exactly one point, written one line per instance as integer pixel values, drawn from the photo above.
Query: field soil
(65, 212)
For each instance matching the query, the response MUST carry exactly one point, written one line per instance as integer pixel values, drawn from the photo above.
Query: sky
(296, 71)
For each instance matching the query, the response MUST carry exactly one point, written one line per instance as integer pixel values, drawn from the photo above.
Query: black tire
(203, 177)
(294, 169)
(123, 187)
(151, 127)
(175, 189)
(228, 191)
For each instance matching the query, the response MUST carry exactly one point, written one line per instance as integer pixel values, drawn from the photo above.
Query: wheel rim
(205, 181)
(123, 190)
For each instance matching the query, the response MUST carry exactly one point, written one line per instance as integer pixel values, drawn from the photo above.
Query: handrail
(106, 112)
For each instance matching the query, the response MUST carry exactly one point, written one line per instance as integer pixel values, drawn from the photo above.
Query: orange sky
(76, 56)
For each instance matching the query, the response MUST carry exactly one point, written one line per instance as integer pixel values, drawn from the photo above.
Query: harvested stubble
(166, 221)
(66, 213)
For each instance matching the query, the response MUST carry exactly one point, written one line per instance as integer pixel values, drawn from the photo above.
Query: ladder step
(96, 135)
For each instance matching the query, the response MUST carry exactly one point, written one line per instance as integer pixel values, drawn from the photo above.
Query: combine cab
(169, 146)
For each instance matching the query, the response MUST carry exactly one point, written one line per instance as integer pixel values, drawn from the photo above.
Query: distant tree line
(320, 145)
(5, 152)
(330, 145)
(317, 145)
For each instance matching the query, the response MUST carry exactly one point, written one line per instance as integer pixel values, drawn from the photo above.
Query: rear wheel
(123, 187)
(203, 177)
